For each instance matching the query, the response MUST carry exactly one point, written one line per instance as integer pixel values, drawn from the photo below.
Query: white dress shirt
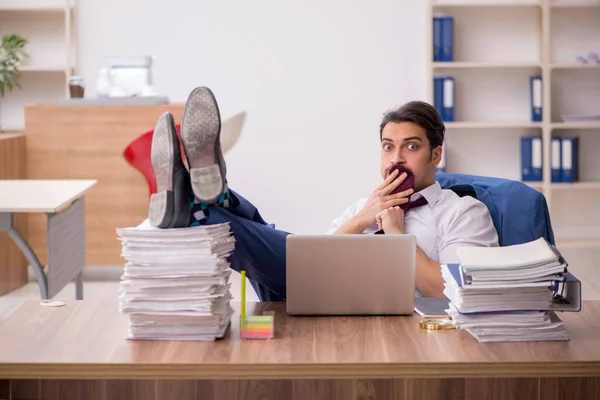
(441, 226)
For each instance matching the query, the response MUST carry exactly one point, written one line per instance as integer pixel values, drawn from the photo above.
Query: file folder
(447, 40)
(448, 99)
(437, 39)
(526, 175)
(568, 289)
(531, 159)
(570, 159)
(438, 93)
(556, 160)
(536, 98)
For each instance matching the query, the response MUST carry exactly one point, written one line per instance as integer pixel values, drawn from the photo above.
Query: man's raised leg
(260, 249)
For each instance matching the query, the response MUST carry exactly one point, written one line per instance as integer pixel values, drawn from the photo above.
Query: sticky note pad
(257, 327)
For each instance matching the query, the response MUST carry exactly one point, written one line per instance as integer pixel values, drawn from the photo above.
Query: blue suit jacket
(520, 213)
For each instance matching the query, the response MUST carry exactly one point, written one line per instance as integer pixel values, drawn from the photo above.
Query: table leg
(6, 224)
(66, 248)
(79, 286)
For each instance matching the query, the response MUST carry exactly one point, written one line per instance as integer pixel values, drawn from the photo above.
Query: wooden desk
(63, 204)
(13, 265)
(80, 350)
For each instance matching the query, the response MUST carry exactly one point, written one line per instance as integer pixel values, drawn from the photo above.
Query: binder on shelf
(556, 160)
(536, 98)
(570, 159)
(437, 39)
(531, 159)
(448, 99)
(438, 93)
(441, 167)
(447, 39)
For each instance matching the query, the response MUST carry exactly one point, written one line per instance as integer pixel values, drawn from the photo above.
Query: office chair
(138, 155)
(520, 213)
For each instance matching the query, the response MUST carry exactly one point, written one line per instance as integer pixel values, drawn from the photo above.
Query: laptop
(350, 274)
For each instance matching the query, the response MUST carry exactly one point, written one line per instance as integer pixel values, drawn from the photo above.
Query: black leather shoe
(200, 135)
(170, 206)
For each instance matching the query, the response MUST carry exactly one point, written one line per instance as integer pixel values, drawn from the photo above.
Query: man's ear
(436, 156)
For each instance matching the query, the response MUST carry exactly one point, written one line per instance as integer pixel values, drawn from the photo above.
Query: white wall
(314, 77)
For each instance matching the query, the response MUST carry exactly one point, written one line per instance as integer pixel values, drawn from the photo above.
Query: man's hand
(391, 220)
(381, 199)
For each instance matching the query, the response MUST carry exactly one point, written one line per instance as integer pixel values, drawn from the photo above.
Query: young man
(411, 136)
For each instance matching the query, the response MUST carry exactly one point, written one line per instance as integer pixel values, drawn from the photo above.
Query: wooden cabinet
(13, 265)
(87, 142)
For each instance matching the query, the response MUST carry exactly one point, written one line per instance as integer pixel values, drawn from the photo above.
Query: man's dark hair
(419, 113)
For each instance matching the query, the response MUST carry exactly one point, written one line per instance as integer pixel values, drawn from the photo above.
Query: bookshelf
(497, 46)
(49, 27)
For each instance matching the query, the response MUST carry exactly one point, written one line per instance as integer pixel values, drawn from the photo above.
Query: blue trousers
(259, 248)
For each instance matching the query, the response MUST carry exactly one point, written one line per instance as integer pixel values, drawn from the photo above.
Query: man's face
(407, 144)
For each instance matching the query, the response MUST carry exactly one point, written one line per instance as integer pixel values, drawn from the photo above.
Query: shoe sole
(162, 203)
(200, 134)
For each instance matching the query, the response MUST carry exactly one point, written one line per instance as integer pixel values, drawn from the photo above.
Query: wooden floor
(100, 283)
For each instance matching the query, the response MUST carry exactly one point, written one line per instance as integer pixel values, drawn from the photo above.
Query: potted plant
(12, 52)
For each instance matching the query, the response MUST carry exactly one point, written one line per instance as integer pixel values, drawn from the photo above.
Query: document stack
(175, 285)
(511, 293)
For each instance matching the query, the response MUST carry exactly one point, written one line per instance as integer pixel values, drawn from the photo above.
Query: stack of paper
(175, 285)
(518, 326)
(510, 293)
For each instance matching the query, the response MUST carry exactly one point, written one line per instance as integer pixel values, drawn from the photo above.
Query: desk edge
(298, 371)
(91, 183)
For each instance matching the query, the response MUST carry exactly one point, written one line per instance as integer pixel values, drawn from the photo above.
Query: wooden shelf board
(573, 65)
(485, 65)
(576, 125)
(492, 125)
(466, 3)
(579, 4)
(43, 68)
(38, 8)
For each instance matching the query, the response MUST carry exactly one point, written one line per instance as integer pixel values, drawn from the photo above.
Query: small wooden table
(80, 351)
(63, 203)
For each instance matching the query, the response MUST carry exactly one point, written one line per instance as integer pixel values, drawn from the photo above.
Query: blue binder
(556, 159)
(536, 99)
(437, 39)
(447, 25)
(570, 286)
(448, 99)
(570, 159)
(438, 93)
(531, 159)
